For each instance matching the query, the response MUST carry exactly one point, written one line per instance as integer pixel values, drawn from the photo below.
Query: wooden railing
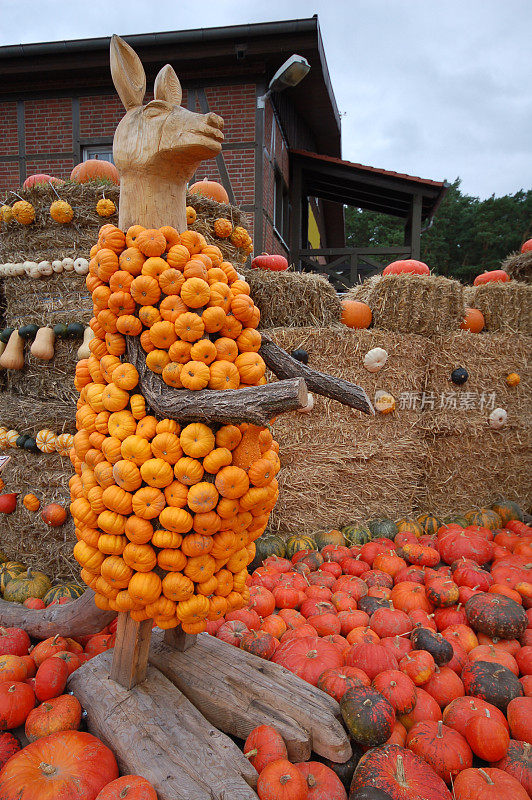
(346, 266)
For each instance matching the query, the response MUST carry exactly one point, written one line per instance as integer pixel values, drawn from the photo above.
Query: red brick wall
(99, 115)
(48, 125)
(9, 141)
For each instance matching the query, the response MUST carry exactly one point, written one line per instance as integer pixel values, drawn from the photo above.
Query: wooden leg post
(130, 657)
(178, 639)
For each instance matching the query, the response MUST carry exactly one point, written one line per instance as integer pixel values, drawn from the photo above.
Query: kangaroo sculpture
(158, 146)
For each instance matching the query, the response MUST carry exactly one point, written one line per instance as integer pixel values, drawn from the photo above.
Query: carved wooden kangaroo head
(158, 146)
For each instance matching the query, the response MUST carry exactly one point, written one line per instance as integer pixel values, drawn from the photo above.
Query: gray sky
(436, 89)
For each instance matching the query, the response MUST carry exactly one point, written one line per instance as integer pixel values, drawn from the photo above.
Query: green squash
(507, 511)
(324, 538)
(28, 331)
(299, 542)
(269, 544)
(60, 330)
(63, 590)
(382, 528)
(484, 517)
(430, 523)
(356, 533)
(455, 519)
(28, 584)
(8, 571)
(6, 333)
(75, 330)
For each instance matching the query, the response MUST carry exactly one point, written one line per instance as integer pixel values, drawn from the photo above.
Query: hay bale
(424, 305)
(61, 297)
(293, 299)
(519, 266)
(339, 465)
(47, 240)
(465, 470)
(47, 379)
(506, 307)
(24, 536)
(488, 358)
(30, 414)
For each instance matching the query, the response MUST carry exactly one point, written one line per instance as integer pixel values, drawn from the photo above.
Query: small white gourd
(375, 359)
(43, 344)
(28, 266)
(57, 266)
(68, 264)
(18, 269)
(3, 270)
(81, 266)
(45, 268)
(498, 418)
(83, 349)
(8, 267)
(35, 272)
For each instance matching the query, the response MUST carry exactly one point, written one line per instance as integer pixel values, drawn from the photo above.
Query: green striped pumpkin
(507, 511)
(455, 519)
(407, 524)
(269, 544)
(484, 517)
(356, 533)
(30, 583)
(8, 571)
(430, 523)
(63, 590)
(299, 542)
(324, 538)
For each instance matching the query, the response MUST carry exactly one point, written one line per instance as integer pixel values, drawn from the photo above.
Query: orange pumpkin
(356, 314)
(211, 189)
(473, 320)
(95, 169)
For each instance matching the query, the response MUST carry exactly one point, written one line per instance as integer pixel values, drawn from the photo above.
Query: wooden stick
(78, 618)
(178, 639)
(130, 656)
(284, 366)
(257, 404)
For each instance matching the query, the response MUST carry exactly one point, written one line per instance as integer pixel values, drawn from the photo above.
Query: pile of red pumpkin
(426, 643)
(59, 759)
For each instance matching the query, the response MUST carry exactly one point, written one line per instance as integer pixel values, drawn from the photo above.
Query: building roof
(367, 187)
(203, 56)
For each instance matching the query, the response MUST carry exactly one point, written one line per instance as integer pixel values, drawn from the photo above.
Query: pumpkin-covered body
(166, 515)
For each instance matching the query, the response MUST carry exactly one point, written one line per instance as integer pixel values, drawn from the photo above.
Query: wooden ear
(167, 86)
(128, 73)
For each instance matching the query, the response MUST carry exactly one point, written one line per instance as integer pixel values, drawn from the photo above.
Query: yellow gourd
(13, 355)
(43, 345)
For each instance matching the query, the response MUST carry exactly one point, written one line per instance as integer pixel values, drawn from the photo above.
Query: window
(102, 151)
(280, 208)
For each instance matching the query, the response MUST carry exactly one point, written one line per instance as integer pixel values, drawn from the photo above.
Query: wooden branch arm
(257, 404)
(78, 618)
(284, 366)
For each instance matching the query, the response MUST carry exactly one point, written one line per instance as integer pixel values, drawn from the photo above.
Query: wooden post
(130, 656)
(178, 639)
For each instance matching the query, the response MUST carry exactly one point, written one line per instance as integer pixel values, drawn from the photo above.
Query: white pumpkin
(81, 266)
(375, 359)
(9, 269)
(83, 349)
(498, 418)
(28, 266)
(57, 266)
(45, 268)
(310, 405)
(35, 272)
(18, 269)
(68, 264)
(3, 270)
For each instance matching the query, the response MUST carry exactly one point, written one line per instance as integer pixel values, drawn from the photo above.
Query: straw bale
(45, 239)
(419, 304)
(24, 536)
(339, 465)
(488, 358)
(519, 266)
(293, 299)
(506, 307)
(466, 470)
(61, 297)
(52, 379)
(30, 414)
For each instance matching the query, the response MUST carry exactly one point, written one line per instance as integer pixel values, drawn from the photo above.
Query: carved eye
(155, 109)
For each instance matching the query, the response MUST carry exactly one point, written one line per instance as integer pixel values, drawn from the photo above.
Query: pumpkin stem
(439, 735)
(312, 654)
(400, 772)
(125, 791)
(47, 769)
(486, 777)
(311, 781)
(251, 753)
(284, 779)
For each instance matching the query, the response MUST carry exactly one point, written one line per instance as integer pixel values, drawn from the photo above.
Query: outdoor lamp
(289, 74)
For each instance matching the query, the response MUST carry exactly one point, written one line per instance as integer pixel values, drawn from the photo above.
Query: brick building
(58, 107)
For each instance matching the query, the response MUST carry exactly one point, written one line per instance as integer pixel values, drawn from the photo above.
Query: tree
(467, 236)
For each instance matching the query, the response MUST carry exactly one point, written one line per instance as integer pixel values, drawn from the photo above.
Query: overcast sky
(436, 88)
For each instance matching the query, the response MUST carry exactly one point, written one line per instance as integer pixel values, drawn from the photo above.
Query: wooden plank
(178, 639)
(130, 654)
(154, 731)
(237, 691)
